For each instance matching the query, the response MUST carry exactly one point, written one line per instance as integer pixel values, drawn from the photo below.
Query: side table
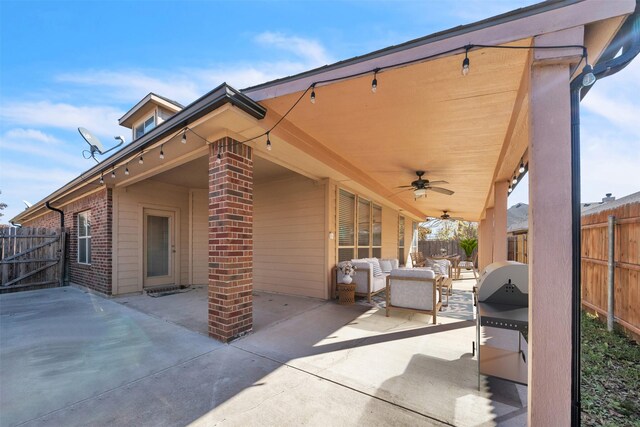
(346, 294)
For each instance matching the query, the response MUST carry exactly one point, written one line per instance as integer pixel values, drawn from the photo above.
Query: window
(358, 214)
(84, 237)
(401, 240)
(346, 225)
(144, 127)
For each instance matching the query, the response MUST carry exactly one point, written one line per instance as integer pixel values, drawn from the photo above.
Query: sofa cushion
(386, 265)
(377, 270)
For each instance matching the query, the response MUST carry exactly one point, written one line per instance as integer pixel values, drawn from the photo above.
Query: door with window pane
(159, 247)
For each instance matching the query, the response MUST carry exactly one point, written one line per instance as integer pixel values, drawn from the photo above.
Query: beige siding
(199, 237)
(128, 230)
(289, 237)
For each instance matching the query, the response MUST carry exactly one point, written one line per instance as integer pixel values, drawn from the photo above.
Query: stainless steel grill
(502, 301)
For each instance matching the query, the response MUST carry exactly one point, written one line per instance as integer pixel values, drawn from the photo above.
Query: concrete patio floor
(71, 358)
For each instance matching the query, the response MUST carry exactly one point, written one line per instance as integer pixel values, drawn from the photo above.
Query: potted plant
(468, 246)
(347, 269)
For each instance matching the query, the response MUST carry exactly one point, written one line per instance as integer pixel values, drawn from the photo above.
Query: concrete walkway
(70, 358)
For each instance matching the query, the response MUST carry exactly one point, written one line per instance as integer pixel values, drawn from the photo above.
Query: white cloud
(311, 51)
(102, 120)
(20, 134)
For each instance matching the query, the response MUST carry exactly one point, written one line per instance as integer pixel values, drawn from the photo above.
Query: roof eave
(221, 95)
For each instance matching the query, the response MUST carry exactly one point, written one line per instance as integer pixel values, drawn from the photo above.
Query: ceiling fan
(445, 216)
(421, 186)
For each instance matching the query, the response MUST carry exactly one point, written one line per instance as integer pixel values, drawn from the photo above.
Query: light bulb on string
(521, 169)
(218, 158)
(184, 136)
(515, 180)
(101, 179)
(313, 94)
(588, 77)
(113, 173)
(126, 170)
(268, 142)
(510, 189)
(465, 62)
(141, 160)
(161, 153)
(374, 82)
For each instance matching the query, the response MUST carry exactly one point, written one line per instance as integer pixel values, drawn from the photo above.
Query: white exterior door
(159, 248)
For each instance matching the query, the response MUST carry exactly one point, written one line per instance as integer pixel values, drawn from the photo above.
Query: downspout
(627, 39)
(56, 210)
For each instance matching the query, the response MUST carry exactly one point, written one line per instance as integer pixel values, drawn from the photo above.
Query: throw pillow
(375, 265)
(385, 265)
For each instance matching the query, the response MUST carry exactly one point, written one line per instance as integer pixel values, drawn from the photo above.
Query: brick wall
(96, 276)
(230, 240)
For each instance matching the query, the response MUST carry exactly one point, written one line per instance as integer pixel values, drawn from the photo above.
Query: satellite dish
(95, 144)
(27, 204)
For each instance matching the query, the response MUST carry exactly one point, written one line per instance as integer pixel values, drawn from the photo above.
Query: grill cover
(505, 282)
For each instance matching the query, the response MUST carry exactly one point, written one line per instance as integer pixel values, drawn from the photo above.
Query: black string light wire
(587, 80)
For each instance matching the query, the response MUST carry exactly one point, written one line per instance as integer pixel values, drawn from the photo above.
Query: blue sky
(68, 64)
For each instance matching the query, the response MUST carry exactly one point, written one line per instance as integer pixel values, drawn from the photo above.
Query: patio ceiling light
(510, 189)
(420, 192)
(126, 170)
(101, 179)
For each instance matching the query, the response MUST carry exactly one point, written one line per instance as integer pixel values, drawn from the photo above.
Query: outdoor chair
(414, 289)
(471, 265)
(417, 259)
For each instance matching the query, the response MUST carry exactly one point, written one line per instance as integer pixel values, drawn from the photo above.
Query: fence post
(610, 278)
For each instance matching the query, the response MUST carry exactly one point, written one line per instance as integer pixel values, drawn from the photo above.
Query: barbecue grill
(502, 301)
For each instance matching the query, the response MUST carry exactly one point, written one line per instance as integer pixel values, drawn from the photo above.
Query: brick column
(230, 240)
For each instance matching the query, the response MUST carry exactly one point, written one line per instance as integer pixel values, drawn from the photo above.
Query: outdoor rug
(460, 304)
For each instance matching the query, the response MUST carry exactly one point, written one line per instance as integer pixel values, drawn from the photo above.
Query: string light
(588, 78)
(374, 82)
(126, 170)
(465, 62)
(113, 173)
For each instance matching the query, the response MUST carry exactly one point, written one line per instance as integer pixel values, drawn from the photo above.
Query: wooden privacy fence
(432, 247)
(517, 248)
(626, 267)
(31, 258)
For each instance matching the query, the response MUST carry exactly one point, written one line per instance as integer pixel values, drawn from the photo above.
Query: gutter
(207, 103)
(48, 206)
(627, 39)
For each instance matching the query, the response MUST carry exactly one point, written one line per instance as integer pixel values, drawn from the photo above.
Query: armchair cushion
(385, 265)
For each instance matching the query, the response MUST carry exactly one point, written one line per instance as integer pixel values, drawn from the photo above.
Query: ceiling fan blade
(405, 186)
(398, 192)
(441, 190)
(437, 182)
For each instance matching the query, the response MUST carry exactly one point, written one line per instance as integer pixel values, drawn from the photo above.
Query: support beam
(500, 221)
(485, 240)
(230, 240)
(550, 254)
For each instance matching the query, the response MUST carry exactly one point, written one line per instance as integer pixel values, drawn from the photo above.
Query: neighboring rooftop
(589, 209)
(152, 100)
